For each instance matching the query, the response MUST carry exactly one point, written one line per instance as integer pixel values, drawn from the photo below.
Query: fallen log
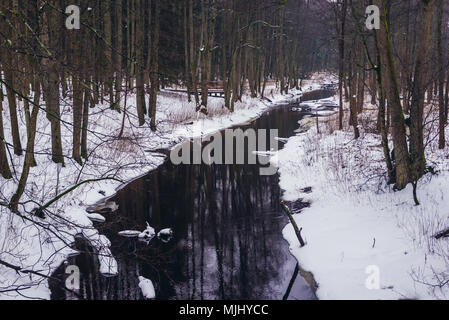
(295, 226)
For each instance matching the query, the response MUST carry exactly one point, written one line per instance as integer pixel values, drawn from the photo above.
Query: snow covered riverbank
(365, 241)
(44, 246)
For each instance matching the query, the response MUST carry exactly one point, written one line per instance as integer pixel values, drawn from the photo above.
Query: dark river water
(227, 225)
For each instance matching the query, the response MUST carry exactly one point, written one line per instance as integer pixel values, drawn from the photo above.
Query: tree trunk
(109, 69)
(77, 118)
(186, 53)
(5, 171)
(51, 86)
(155, 66)
(281, 49)
(11, 95)
(417, 157)
(382, 99)
(353, 120)
(341, 63)
(119, 53)
(29, 156)
(85, 125)
(398, 122)
(140, 67)
(441, 76)
(193, 66)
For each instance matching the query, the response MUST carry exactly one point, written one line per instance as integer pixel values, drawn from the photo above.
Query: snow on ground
(357, 229)
(45, 246)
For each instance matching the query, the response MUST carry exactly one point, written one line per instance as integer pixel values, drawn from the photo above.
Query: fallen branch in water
(295, 226)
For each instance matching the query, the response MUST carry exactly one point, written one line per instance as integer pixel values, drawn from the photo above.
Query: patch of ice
(129, 233)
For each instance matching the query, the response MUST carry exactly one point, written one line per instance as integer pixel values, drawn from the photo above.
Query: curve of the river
(227, 226)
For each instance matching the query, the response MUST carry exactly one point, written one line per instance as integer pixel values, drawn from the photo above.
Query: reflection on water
(228, 242)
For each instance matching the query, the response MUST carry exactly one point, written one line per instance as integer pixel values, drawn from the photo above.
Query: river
(227, 226)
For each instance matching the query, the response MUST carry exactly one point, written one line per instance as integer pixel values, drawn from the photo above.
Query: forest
(95, 94)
